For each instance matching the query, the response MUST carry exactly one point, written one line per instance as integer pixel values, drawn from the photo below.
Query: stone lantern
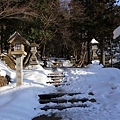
(33, 59)
(18, 42)
(94, 49)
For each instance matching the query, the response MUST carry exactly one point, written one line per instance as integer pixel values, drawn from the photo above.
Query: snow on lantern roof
(116, 32)
(17, 37)
(93, 41)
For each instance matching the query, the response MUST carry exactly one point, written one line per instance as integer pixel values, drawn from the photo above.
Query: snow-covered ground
(21, 103)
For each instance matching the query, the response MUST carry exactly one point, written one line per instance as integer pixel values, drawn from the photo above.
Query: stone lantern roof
(33, 44)
(16, 37)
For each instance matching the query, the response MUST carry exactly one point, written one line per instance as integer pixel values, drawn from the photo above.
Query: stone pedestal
(19, 68)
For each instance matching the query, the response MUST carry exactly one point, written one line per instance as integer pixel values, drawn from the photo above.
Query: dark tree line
(61, 29)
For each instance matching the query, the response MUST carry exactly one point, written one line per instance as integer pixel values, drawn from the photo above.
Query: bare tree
(15, 10)
(10, 10)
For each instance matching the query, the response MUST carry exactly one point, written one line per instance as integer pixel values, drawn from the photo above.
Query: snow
(116, 32)
(21, 103)
(93, 41)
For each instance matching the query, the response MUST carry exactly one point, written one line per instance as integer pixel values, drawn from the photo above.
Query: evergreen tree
(104, 16)
(99, 20)
(59, 28)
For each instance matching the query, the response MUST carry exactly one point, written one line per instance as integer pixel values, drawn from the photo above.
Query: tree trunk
(102, 51)
(1, 45)
(88, 49)
(44, 50)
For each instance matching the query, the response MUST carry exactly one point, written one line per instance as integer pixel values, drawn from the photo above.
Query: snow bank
(116, 32)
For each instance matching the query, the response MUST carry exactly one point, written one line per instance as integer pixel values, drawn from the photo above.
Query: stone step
(61, 107)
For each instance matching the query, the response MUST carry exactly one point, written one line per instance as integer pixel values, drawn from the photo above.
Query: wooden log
(55, 95)
(82, 100)
(41, 101)
(56, 76)
(53, 82)
(60, 107)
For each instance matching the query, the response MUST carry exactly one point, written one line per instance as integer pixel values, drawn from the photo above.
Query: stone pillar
(19, 72)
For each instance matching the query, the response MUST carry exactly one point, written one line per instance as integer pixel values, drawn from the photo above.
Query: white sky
(18, 103)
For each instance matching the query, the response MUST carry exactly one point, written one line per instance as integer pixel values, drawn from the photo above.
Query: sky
(118, 2)
(22, 102)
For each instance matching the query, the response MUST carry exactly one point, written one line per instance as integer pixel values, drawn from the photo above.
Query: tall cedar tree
(104, 17)
(101, 18)
(78, 31)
